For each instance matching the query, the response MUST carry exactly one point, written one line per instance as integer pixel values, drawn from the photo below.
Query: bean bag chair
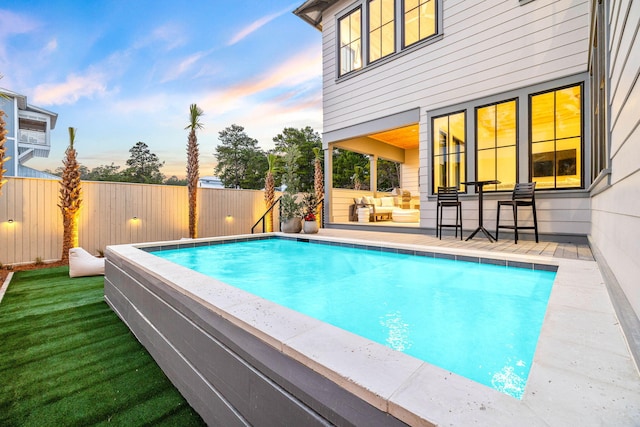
(82, 263)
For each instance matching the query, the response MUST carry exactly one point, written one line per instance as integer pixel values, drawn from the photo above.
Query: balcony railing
(32, 137)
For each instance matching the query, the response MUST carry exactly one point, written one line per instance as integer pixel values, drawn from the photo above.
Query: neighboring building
(210, 182)
(520, 91)
(28, 134)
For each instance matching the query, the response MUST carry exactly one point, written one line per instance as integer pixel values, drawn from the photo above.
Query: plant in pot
(290, 214)
(309, 203)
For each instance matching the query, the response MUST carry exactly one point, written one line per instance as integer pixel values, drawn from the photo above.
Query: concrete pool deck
(582, 372)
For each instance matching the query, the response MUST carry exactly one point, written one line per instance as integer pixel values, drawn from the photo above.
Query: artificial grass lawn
(67, 359)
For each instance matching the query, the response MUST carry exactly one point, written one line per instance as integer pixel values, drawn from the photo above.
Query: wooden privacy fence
(115, 213)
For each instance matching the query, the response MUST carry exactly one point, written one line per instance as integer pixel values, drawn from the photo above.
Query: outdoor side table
(479, 189)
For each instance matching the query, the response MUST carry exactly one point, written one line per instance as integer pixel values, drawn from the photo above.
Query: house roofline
(24, 106)
(311, 11)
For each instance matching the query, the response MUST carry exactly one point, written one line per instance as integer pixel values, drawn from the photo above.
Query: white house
(514, 90)
(28, 133)
(210, 182)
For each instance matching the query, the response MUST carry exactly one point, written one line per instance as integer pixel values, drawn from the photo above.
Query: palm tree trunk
(269, 198)
(192, 184)
(3, 149)
(70, 200)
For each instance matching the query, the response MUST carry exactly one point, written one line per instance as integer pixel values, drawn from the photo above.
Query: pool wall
(241, 360)
(228, 375)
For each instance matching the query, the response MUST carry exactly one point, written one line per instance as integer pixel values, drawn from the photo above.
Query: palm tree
(3, 149)
(318, 186)
(70, 198)
(193, 168)
(3, 140)
(270, 190)
(357, 177)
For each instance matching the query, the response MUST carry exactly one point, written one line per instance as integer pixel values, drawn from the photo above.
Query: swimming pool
(481, 321)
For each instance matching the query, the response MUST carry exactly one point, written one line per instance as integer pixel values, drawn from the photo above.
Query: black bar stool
(523, 195)
(448, 197)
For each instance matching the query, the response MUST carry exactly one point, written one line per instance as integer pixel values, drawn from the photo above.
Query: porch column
(373, 173)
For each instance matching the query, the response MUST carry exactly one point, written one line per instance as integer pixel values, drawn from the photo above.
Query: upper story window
(556, 138)
(381, 28)
(384, 28)
(449, 149)
(496, 142)
(350, 42)
(419, 20)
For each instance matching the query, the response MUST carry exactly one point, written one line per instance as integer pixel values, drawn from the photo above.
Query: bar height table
(479, 186)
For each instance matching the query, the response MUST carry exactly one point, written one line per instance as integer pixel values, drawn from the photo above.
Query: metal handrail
(262, 218)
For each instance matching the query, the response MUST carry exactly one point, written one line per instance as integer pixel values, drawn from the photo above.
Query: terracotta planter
(293, 225)
(310, 227)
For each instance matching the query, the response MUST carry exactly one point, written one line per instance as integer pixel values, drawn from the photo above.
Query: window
(419, 20)
(598, 72)
(350, 42)
(556, 138)
(449, 161)
(381, 29)
(496, 141)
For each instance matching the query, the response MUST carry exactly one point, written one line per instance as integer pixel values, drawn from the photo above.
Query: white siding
(484, 50)
(409, 172)
(616, 211)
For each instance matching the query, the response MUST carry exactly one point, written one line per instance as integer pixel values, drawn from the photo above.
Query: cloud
(11, 24)
(301, 68)
(257, 24)
(69, 92)
(184, 66)
(171, 35)
(143, 105)
(14, 23)
(50, 47)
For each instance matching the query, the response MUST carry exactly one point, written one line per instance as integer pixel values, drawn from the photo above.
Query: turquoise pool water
(480, 321)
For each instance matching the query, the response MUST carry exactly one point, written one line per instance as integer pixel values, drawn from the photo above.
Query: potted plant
(290, 214)
(309, 203)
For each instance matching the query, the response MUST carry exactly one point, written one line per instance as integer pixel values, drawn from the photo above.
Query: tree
(3, 140)
(241, 163)
(269, 191)
(305, 140)
(290, 176)
(70, 198)
(388, 175)
(344, 163)
(3, 149)
(144, 166)
(318, 179)
(193, 171)
(174, 180)
(104, 173)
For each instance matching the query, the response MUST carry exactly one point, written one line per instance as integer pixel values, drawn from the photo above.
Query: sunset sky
(123, 71)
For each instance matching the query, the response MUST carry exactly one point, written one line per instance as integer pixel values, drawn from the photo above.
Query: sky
(123, 71)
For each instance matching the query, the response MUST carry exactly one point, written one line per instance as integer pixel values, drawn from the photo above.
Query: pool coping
(582, 371)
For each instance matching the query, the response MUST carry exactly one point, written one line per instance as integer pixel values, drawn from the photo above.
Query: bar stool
(523, 195)
(448, 197)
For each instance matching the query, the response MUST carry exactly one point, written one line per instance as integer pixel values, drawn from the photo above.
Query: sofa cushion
(387, 201)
